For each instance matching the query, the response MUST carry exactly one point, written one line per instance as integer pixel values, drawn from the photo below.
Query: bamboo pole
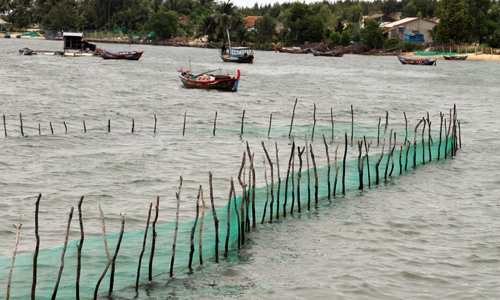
(459, 135)
(215, 123)
(201, 226)
(415, 144)
(388, 156)
(62, 255)
(184, 124)
(287, 178)
(153, 242)
(4, 126)
(392, 155)
(352, 125)
(270, 121)
(423, 142)
(84, 127)
(406, 128)
(291, 123)
(216, 221)
(252, 167)
(241, 231)
(367, 150)
(293, 181)
(383, 147)
(178, 197)
(37, 248)
(237, 224)
(401, 160)
(316, 199)
(80, 246)
(360, 164)
(378, 132)
(226, 250)
(267, 192)
(109, 125)
(333, 124)
(143, 248)
(328, 164)
(308, 174)
(18, 228)
(39, 130)
(65, 127)
(299, 174)
(193, 230)
(279, 182)
(133, 125)
(113, 263)
(272, 182)
(336, 172)
(429, 137)
(344, 165)
(407, 153)
(51, 129)
(314, 124)
(21, 124)
(96, 291)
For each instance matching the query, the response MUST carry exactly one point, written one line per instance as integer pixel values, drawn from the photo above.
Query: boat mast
(228, 38)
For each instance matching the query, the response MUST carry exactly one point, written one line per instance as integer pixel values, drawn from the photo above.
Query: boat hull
(242, 60)
(449, 57)
(417, 62)
(223, 83)
(126, 55)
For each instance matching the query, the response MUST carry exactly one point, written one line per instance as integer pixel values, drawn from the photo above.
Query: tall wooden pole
(37, 248)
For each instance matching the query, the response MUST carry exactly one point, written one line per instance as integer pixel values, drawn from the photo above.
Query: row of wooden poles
(108, 127)
(245, 213)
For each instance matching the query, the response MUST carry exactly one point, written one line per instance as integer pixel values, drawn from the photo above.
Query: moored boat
(420, 62)
(453, 57)
(327, 53)
(209, 81)
(236, 54)
(293, 50)
(127, 55)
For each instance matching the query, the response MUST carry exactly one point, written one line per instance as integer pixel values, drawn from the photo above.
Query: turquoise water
(429, 234)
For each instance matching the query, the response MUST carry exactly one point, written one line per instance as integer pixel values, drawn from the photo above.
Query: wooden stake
(113, 263)
(216, 221)
(193, 230)
(226, 250)
(18, 228)
(21, 122)
(314, 124)
(184, 126)
(406, 128)
(201, 225)
(143, 248)
(96, 291)
(299, 175)
(215, 122)
(178, 197)
(352, 125)
(429, 137)
(328, 164)
(423, 143)
(291, 123)
(133, 125)
(4, 126)
(279, 182)
(62, 255)
(65, 127)
(242, 122)
(360, 164)
(316, 198)
(272, 182)
(84, 127)
(37, 248)
(407, 153)
(109, 125)
(51, 129)
(382, 152)
(378, 133)
(367, 149)
(241, 231)
(252, 169)
(153, 242)
(401, 160)
(267, 193)
(333, 124)
(270, 121)
(344, 165)
(336, 172)
(154, 130)
(287, 177)
(308, 174)
(388, 156)
(80, 246)
(415, 144)
(39, 130)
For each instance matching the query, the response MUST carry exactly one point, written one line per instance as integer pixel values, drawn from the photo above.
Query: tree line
(335, 23)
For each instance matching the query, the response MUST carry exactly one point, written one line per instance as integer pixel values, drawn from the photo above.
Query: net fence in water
(298, 189)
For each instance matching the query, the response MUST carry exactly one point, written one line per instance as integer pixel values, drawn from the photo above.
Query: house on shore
(409, 29)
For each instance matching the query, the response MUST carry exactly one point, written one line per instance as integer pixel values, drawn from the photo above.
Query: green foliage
(410, 10)
(63, 16)
(345, 38)
(303, 26)
(164, 24)
(455, 21)
(372, 35)
(264, 29)
(335, 38)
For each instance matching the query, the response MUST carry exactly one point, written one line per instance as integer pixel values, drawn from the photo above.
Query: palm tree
(224, 14)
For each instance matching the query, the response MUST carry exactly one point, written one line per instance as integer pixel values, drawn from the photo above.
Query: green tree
(163, 23)
(301, 25)
(410, 9)
(372, 35)
(62, 16)
(335, 38)
(455, 22)
(345, 38)
(265, 29)
(478, 9)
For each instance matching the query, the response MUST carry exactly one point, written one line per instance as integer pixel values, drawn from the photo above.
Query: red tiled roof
(250, 20)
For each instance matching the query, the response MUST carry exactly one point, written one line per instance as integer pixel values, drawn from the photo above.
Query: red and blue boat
(209, 81)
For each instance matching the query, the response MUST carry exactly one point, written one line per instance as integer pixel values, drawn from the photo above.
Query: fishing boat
(327, 53)
(128, 55)
(420, 62)
(27, 51)
(236, 54)
(453, 57)
(209, 81)
(293, 50)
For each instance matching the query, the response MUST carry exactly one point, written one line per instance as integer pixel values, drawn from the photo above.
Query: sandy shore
(470, 56)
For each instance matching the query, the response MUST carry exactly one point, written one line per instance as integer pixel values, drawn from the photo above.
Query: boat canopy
(240, 51)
